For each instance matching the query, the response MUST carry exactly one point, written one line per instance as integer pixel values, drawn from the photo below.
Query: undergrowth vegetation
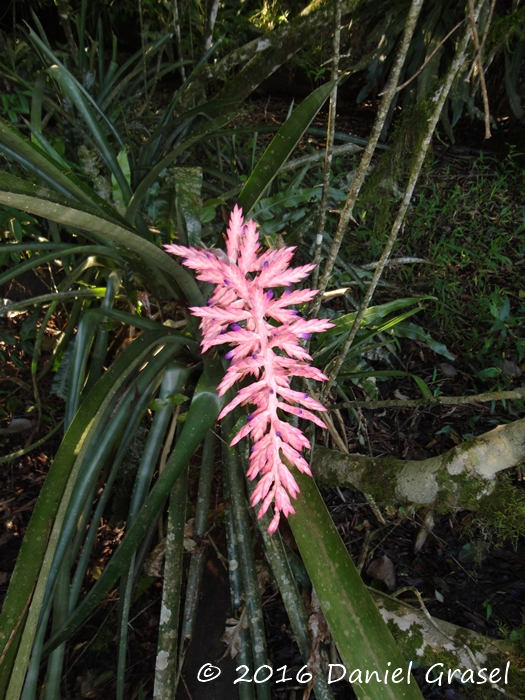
(102, 166)
(467, 226)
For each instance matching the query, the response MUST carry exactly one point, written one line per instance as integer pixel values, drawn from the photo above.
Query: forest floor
(463, 575)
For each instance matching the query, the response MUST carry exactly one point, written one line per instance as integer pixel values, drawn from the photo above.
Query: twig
(211, 24)
(427, 60)
(327, 420)
(330, 132)
(485, 34)
(438, 101)
(515, 395)
(29, 448)
(362, 171)
(475, 39)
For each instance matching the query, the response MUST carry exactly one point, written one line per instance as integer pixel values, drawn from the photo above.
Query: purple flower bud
(305, 396)
(249, 417)
(266, 263)
(288, 291)
(254, 356)
(227, 283)
(271, 391)
(269, 294)
(304, 335)
(294, 311)
(300, 410)
(278, 433)
(209, 256)
(236, 327)
(229, 354)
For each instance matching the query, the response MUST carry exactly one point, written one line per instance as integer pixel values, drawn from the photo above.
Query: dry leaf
(383, 569)
(449, 371)
(188, 528)
(511, 369)
(232, 635)
(153, 564)
(426, 528)
(189, 544)
(400, 396)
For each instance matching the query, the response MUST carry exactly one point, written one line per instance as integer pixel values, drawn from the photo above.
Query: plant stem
(438, 99)
(329, 144)
(364, 165)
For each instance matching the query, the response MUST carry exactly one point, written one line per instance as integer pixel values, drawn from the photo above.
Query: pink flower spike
(243, 312)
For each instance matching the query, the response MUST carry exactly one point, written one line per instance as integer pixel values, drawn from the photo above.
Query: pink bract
(244, 280)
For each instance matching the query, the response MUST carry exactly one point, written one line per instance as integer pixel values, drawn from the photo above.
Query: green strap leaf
(71, 88)
(42, 202)
(145, 186)
(363, 640)
(61, 178)
(204, 409)
(35, 541)
(45, 48)
(281, 147)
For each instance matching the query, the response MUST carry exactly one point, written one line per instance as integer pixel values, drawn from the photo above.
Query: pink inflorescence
(239, 313)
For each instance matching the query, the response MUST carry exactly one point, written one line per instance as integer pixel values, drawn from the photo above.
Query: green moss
(459, 490)
(380, 480)
(395, 164)
(501, 514)
(411, 643)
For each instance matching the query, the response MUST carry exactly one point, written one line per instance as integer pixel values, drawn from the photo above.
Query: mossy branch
(430, 641)
(515, 395)
(364, 165)
(456, 479)
(262, 56)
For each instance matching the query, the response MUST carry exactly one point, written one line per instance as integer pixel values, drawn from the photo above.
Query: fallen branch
(447, 481)
(515, 395)
(430, 641)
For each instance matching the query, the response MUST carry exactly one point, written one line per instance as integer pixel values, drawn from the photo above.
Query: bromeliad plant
(245, 279)
(105, 411)
(106, 408)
